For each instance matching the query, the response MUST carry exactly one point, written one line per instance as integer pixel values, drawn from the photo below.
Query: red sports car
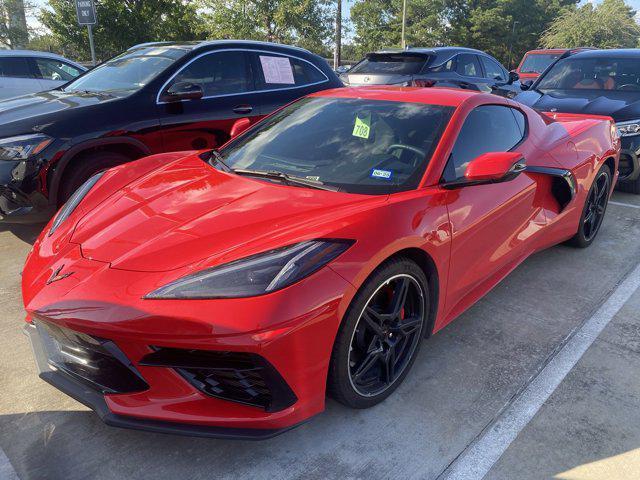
(226, 293)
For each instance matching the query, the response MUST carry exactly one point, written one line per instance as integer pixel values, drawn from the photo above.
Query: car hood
(46, 103)
(374, 79)
(619, 105)
(188, 212)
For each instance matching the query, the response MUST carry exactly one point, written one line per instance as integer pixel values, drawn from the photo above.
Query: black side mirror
(183, 91)
(513, 77)
(526, 85)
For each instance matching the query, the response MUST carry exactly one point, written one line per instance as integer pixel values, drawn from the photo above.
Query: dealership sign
(86, 11)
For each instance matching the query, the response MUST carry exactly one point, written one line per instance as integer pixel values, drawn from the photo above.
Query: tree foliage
(484, 24)
(306, 23)
(610, 24)
(13, 25)
(121, 24)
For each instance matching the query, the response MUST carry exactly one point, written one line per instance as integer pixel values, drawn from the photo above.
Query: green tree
(306, 23)
(121, 24)
(610, 24)
(13, 24)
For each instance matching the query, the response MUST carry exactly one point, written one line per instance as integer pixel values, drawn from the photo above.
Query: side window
(14, 67)
(488, 128)
(50, 69)
(448, 66)
(218, 73)
(492, 70)
(467, 65)
(279, 71)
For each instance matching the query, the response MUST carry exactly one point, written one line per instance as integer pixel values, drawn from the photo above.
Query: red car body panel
(533, 75)
(155, 220)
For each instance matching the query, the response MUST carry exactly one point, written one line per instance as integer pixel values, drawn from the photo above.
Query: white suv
(26, 71)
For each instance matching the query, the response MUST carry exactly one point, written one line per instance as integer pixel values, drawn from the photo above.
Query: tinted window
(467, 65)
(390, 64)
(50, 69)
(14, 67)
(601, 73)
(219, 73)
(358, 145)
(492, 70)
(280, 71)
(489, 128)
(537, 63)
(448, 66)
(128, 72)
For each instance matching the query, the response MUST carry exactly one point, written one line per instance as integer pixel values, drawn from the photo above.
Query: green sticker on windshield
(362, 127)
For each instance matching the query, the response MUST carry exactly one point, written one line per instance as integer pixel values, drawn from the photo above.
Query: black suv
(597, 82)
(441, 66)
(153, 98)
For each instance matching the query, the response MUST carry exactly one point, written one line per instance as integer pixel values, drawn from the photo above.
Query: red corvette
(226, 293)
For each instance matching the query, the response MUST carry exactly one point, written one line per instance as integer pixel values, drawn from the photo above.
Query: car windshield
(356, 145)
(127, 72)
(538, 62)
(601, 73)
(388, 64)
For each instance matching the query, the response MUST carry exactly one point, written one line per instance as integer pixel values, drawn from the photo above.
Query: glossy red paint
(533, 75)
(493, 166)
(155, 220)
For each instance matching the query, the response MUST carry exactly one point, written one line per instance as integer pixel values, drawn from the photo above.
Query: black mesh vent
(240, 377)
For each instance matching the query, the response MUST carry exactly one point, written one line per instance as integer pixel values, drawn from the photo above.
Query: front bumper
(95, 400)
(21, 197)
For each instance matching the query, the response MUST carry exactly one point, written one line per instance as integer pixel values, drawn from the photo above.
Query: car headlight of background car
(628, 129)
(71, 204)
(23, 147)
(257, 274)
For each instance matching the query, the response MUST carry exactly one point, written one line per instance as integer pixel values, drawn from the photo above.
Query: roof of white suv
(35, 53)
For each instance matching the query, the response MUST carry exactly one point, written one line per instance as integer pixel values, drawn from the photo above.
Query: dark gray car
(442, 66)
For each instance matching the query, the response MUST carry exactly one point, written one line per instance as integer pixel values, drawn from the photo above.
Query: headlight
(23, 147)
(628, 129)
(255, 275)
(73, 202)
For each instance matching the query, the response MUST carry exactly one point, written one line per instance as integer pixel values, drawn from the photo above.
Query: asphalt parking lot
(538, 380)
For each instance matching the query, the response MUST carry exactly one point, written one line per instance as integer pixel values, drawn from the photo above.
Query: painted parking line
(478, 458)
(6, 469)
(621, 204)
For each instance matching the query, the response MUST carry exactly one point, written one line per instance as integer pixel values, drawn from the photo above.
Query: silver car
(27, 71)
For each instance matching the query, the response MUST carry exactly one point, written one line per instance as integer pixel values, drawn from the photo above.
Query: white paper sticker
(277, 70)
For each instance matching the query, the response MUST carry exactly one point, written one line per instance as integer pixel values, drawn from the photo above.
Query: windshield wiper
(216, 159)
(285, 178)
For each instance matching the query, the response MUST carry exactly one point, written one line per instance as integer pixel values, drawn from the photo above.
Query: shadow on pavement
(25, 232)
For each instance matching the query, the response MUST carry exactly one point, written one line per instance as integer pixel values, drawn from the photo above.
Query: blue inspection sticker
(381, 174)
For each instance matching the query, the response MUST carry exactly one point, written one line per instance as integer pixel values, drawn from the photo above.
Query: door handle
(243, 109)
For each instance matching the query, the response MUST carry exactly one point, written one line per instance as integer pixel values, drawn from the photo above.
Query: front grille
(94, 361)
(239, 377)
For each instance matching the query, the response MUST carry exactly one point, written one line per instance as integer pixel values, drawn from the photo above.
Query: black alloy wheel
(594, 209)
(380, 335)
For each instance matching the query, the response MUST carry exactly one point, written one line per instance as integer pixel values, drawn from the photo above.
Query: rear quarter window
(14, 67)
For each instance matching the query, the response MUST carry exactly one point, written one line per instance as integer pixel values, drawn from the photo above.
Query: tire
(593, 213)
(84, 167)
(629, 187)
(358, 375)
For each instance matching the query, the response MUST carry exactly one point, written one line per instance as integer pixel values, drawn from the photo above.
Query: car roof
(541, 51)
(197, 44)
(431, 51)
(608, 53)
(30, 53)
(450, 97)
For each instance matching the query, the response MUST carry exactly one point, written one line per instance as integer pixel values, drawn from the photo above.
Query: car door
(227, 80)
(281, 79)
(470, 73)
(492, 224)
(16, 77)
(52, 73)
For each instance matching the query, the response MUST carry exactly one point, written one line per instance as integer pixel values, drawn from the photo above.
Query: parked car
(597, 82)
(27, 71)
(534, 62)
(223, 293)
(153, 98)
(445, 66)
